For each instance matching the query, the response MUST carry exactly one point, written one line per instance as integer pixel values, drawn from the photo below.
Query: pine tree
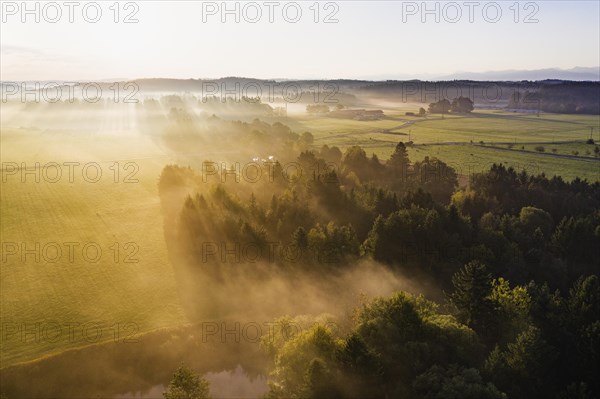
(471, 296)
(399, 160)
(300, 238)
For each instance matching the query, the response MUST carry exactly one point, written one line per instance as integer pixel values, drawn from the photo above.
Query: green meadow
(77, 266)
(474, 141)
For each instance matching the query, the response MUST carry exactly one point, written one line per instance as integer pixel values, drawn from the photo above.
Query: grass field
(473, 142)
(504, 127)
(54, 303)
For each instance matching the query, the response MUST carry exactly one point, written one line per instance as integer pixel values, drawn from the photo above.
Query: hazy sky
(371, 39)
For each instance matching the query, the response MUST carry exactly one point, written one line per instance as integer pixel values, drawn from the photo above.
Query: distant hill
(575, 74)
(558, 96)
(549, 95)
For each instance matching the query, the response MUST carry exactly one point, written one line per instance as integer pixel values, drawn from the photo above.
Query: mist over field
(299, 200)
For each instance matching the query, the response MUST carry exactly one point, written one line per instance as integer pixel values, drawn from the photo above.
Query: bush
(186, 384)
(540, 148)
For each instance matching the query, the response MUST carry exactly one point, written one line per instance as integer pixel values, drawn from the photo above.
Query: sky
(361, 39)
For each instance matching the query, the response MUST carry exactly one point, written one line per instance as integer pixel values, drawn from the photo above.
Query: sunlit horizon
(393, 42)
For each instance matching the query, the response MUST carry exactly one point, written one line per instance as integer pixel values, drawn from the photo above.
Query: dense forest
(559, 97)
(513, 257)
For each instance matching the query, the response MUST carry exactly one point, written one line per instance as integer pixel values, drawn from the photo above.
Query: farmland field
(473, 142)
(130, 284)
